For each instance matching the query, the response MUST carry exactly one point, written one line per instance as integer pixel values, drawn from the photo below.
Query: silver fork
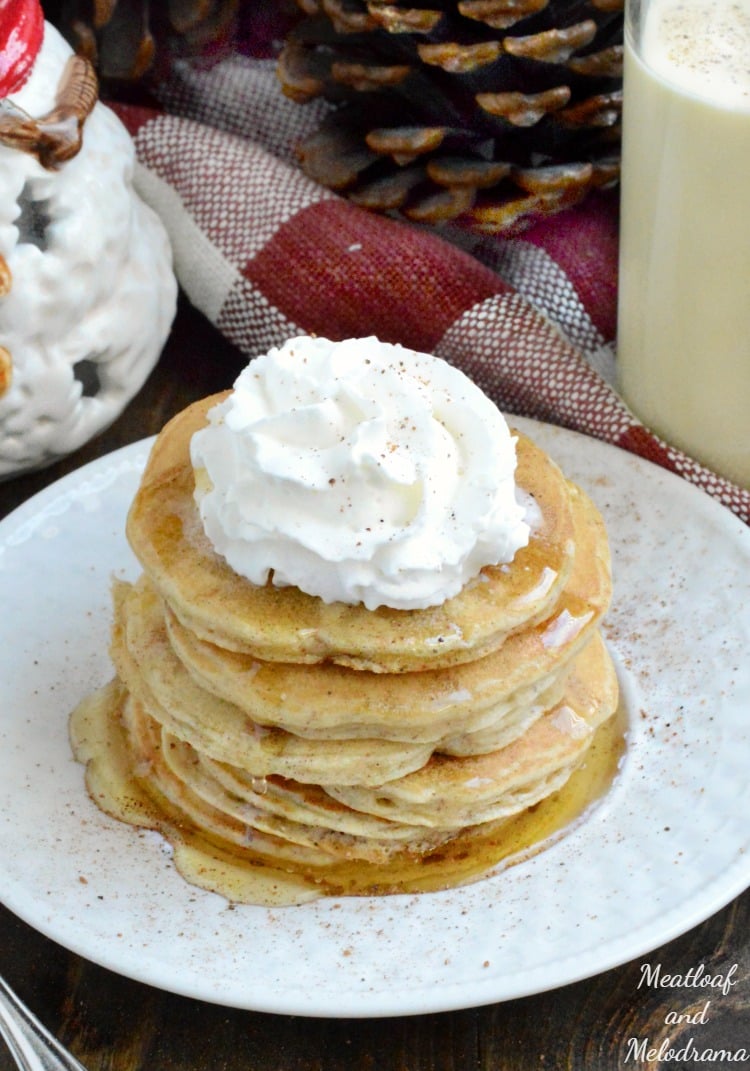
(31, 1044)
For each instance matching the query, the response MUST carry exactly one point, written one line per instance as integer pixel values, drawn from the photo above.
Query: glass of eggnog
(683, 338)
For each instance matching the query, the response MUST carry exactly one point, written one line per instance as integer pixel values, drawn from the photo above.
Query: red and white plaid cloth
(265, 253)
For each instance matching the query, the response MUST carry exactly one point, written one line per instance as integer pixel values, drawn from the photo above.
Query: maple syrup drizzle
(244, 876)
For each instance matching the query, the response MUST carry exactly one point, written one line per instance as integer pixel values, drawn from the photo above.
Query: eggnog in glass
(683, 335)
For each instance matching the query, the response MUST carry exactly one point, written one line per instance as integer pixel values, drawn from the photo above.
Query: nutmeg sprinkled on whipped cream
(358, 471)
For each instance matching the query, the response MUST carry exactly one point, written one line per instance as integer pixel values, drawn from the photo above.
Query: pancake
(287, 625)
(148, 667)
(313, 831)
(453, 793)
(289, 823)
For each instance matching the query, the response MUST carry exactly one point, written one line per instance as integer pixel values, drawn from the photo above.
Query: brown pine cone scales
(492, 111)
(131, 40)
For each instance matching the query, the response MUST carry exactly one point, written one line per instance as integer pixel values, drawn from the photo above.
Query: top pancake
(287, 625)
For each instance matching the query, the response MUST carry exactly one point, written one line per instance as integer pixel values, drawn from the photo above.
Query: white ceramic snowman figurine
(87, 292)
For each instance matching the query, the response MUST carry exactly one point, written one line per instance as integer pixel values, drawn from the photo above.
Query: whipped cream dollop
(358, 471)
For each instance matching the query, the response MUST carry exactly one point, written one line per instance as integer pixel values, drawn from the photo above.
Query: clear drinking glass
(684, 286)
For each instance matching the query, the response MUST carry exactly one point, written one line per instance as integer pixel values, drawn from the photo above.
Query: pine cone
(494, 112)
(130, 41)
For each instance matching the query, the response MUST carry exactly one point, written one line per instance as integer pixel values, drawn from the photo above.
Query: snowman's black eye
(33, 219)
(87, 374)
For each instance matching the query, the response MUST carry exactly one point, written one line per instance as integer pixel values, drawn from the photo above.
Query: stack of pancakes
(278, 730)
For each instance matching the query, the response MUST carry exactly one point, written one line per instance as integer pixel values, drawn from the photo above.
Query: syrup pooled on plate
(244, 876)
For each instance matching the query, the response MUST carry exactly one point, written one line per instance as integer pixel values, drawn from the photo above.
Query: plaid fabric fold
(266, 253)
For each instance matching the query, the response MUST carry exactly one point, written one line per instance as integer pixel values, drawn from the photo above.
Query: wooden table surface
(111, 1022)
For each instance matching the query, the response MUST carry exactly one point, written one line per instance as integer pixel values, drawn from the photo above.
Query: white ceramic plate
(666, 848)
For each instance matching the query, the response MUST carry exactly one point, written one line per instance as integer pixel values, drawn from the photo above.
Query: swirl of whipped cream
(358, 471)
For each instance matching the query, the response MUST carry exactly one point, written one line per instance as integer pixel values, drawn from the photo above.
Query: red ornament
(21, 33)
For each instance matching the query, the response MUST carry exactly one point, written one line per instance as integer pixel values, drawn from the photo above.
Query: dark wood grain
(115, 1024)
